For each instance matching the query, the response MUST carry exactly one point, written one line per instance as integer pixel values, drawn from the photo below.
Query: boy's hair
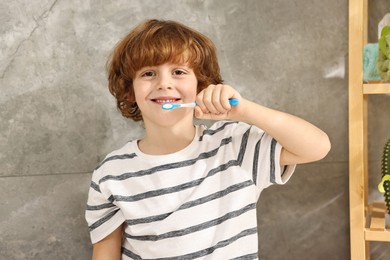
(153, 43)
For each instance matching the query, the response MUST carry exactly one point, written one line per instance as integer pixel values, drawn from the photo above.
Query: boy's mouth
(164, 100)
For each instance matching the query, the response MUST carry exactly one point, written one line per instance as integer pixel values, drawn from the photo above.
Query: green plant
(383, 46)
(383, 62)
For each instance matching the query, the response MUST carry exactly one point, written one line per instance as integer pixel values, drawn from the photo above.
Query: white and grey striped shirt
(198, 203)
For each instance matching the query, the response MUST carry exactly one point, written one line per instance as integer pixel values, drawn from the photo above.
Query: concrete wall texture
(58, 119)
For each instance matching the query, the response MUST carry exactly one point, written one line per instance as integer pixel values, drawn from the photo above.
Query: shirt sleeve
(102, 215)
(262, 158)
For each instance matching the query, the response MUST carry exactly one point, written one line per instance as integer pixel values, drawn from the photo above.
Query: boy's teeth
(165, 101)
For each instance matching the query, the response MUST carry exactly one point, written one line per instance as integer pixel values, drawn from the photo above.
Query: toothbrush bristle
(167, 106)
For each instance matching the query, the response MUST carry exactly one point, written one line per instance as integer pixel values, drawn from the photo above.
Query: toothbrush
(169, 106)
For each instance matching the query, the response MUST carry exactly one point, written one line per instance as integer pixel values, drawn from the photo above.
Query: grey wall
(58, 119)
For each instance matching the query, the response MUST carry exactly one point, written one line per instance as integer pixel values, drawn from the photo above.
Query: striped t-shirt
(198, 203)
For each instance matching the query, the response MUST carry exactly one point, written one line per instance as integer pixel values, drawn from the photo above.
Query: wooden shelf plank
(376, 88)
(377, 230)
(375, 235)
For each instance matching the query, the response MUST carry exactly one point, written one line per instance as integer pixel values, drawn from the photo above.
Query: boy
(185, 191)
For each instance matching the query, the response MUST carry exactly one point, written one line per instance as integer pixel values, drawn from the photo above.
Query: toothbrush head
(169, 106)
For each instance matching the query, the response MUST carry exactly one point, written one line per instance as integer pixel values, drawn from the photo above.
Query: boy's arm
(109, 248)
(302, 142)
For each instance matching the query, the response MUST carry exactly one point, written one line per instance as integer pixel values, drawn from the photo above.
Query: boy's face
(155, 85)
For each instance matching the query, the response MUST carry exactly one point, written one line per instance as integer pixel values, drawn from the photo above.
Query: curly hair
(152, 43)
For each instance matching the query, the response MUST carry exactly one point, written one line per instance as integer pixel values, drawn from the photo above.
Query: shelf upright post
(357, 106)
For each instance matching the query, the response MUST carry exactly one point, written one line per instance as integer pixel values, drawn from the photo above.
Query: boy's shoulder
(125, 148)
(124, 152)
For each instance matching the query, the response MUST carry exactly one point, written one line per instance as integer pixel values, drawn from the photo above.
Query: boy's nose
(164, 83)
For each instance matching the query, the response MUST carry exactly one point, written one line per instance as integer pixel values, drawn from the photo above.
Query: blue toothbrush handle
(234, 102)
(170, 106)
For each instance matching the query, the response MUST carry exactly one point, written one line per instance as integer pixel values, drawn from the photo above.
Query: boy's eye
(148, 74)
(178, 72)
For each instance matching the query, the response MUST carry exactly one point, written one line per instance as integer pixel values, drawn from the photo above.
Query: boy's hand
(213, 102)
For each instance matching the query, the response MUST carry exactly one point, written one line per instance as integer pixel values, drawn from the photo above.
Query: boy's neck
(166, 140)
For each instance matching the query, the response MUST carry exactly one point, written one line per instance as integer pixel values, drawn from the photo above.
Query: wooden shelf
(376, 88)
(376, 235)
(367, 221)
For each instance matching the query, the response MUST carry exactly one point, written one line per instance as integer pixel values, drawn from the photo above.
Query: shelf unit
(367, 222)
(376, 88)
